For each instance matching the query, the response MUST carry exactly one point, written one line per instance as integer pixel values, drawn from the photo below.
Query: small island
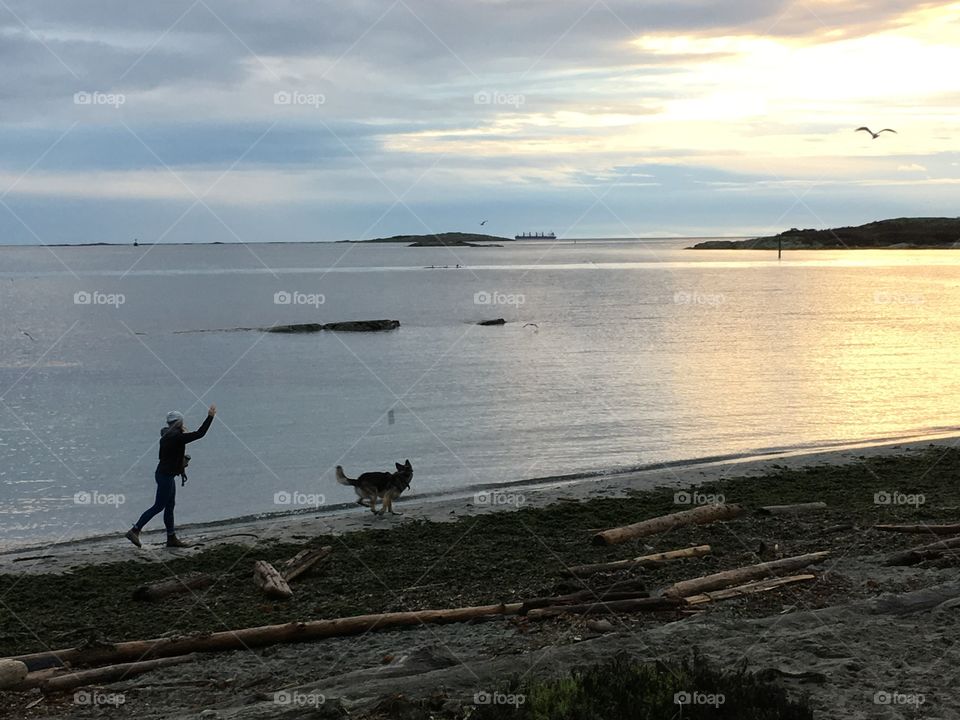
(899, 233)
(447, 239)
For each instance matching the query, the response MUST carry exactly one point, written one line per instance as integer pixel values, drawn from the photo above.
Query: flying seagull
(484, 222)
(875, 134)
(28, 334)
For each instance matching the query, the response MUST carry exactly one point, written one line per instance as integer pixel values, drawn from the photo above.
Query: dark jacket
(172, 447)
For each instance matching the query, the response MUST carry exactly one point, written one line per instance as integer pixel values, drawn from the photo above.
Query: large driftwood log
(173, 586)
(644, 561)
(614, 606)
(303, 561)
(109, 674)
(791, 509)
(244, 638)
(695, 516)
(951, 529)
(752, 588)
(738, 576)
(271, 582)
(923, 552)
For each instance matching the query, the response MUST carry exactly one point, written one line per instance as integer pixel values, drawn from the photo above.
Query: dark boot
(174, 542)
(133, 535)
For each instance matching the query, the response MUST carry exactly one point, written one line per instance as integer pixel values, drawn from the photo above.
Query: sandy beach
(860, 629)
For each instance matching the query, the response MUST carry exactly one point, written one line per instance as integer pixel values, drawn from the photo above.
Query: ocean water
(616, 354)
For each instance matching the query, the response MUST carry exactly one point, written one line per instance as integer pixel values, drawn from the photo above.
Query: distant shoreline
(896, 234)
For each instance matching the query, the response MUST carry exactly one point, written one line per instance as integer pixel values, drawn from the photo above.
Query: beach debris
(245, 638)
(739, 576)
(304, 561)
(751, 588)
(12, 672)
(173, 586)
(923, 552)
(600, 626)
(647, 604)
(696, 516)
(270, 581)
(951, 529)
(581, 597)
(110, 673)
(791, 509)
(644, 561)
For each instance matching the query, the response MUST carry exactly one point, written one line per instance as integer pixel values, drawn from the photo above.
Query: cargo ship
(535, 236)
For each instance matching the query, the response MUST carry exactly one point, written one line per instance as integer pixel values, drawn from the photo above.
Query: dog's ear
(407, 464)
(399, 466)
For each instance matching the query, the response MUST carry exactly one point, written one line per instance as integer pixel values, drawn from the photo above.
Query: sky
(289, 120)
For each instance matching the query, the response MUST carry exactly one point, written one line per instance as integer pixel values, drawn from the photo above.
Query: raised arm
(202, 430)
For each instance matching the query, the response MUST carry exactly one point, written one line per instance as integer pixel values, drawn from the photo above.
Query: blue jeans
(166, 499)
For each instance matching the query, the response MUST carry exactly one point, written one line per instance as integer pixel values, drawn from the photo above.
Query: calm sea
(615, 354)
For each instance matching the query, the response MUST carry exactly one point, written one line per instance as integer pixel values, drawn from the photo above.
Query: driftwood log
(612, 607)
(644, 561)
(173, 586)
(304, 561)
(109, 674)
(271, 582)
(794, 509)
(758, 586)
(244, 638)
(951, 529)
(695, 516)
(739, 576)
(923, 552)
(583, 596)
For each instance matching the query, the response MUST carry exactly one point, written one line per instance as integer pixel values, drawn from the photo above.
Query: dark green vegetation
(447, 239)
(626, 689)
(900, 232)
(489, 558)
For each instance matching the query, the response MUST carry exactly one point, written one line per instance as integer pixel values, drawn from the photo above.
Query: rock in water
(498, 321)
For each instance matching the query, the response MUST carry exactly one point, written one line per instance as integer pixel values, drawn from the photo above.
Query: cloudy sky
(203, 120)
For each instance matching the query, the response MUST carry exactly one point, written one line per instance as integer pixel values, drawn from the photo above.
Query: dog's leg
(389, 504)
(373, 505)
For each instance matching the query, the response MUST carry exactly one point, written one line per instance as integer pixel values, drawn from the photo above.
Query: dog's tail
(343, 479)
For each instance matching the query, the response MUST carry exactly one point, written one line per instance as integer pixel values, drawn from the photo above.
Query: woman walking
(173, 442)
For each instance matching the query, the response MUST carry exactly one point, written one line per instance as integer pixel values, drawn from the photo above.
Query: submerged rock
(498, 321)
(347, 326)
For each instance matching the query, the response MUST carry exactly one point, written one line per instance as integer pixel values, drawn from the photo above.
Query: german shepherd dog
(385, 485)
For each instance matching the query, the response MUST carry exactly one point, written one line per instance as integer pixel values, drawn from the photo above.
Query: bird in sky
(28, 334)
(483, 222)
(875, 134)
